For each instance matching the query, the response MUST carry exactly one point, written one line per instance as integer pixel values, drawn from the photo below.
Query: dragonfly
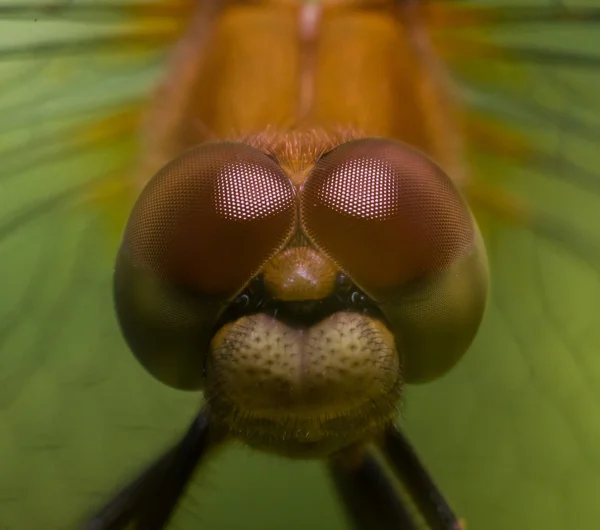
(358, 233)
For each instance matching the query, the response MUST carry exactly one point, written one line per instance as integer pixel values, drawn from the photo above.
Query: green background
(512, 434)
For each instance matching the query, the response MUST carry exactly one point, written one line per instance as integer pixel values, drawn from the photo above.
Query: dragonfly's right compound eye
(200, 230)
(396, 224)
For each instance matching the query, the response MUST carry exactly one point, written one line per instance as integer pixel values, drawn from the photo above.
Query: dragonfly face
(299, 199)
(300, 301)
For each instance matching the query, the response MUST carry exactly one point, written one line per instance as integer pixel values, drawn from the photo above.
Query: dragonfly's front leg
(369, 496)
(372, 499)
(418, 482)
(149, 501)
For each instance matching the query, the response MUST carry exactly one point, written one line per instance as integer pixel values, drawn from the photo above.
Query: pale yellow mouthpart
(264, 368)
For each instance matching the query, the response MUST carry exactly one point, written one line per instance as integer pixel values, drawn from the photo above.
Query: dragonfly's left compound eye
(200, 230)
(395, 223)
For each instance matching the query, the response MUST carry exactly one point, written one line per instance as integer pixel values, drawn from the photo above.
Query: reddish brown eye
(385, 213)
(394, 222)
(200, 230)
(211, 217)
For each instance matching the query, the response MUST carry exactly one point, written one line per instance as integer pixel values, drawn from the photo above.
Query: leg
(368, 494)
(149, 501)
(417, 481)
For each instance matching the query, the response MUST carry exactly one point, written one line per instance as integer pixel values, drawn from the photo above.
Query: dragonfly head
(300, 289)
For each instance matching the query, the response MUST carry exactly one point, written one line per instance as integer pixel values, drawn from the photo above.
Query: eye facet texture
(395, 223)
(211, 217)
(385, 213)
(200, 230)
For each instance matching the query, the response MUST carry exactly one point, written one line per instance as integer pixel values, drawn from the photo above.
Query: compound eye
(396, 224)
(386, 213)
(210, 218)
(200, 230)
